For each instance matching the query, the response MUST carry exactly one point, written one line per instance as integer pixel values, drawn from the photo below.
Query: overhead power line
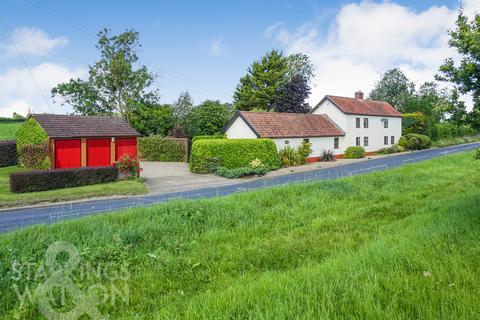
(26, 64)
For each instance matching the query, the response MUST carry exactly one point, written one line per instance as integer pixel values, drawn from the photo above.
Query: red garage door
(126, 146)
(67, 154)
(98, 152)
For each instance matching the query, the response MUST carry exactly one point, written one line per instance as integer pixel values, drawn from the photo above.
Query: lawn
(8, 199)
(8, 130)
(397, 244)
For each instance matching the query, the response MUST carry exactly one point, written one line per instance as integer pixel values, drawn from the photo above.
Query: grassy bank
(454, 141)
(398, 244)
(9, 199)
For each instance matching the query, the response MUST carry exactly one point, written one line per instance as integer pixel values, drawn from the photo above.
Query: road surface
(19, 218)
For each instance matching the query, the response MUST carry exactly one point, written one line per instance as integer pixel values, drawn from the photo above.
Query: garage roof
(69, 126)
(289, 125)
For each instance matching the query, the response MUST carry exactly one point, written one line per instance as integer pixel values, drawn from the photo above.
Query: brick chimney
(359, 95)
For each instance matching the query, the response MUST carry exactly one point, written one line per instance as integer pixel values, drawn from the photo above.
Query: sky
(204, 47)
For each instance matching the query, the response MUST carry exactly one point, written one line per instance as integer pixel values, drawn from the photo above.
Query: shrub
(41, 180)
(232, 153)
(393, 149)
(303, 151)
(327, 156)
(129, 166)
(30, 132)
(242, 171)
(157, 148)
(477, 154)
(35, 156)
(288, 156)
(217, 136)
(8, 153)
(354, 153)
(414, 123)
(415, 141)
(204, 164)
(454, 141)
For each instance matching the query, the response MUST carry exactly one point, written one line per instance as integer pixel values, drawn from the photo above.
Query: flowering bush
(129, 166)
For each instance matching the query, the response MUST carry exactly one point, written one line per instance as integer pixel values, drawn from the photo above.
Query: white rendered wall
(240, 130)
(318, 144)
(333, 113)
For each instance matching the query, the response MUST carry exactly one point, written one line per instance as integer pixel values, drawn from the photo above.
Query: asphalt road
(19, 218)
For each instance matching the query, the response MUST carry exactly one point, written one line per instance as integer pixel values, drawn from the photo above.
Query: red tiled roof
(66, 126)
(290, 125)
(364, 107)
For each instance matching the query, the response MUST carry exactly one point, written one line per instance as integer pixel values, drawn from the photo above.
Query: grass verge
(9, 199)
(397, 244)
(442, 143)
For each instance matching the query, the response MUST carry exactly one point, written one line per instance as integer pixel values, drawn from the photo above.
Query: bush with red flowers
(129, 166)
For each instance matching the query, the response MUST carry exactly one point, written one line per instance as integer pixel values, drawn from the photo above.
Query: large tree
(465, 75)
(208, 118)
(394, 87)
(150, 118)
(267, 82)
(116, 82)
(262, 84)
(293, 96)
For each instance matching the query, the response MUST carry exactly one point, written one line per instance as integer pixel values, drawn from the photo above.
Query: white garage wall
(240, 130)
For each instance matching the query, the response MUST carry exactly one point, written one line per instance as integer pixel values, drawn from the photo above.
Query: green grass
(8, 130)
(454, 141)
(9, 199)
(397, 244)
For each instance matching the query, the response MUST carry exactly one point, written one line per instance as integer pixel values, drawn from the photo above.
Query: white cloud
(367, 38)
(19, 93)
(33, 41)
(216, 48)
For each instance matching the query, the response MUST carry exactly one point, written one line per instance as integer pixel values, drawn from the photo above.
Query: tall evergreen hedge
(232, 153)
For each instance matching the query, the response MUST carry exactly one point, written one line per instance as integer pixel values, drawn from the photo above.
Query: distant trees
(268, 82)
(208, 118)
(465, 76)
(394, 88)
(116, 82)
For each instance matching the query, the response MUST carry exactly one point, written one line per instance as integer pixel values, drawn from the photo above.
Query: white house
(368, 123)
(334, 124)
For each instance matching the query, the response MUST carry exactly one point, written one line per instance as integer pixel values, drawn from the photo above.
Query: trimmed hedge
(354, 153)
(36, 156)
(415, 141)
(218, 136)
(30, 132)
(232, 153)
(242, 172)
(157, 148)
(41, 180)
(8, 153)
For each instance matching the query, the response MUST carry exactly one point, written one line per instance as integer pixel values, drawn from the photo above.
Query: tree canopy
(268, 81)
(465, 75)
(116, 82)
(393, 87)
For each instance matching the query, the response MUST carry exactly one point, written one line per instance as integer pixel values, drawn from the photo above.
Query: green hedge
(218, 136)
(157, 148)
(450, 130)
(415, 141)
(30, 132)
(354, 153)
(414, 123)
(232, 153)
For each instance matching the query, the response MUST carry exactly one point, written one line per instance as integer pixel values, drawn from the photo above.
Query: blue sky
(206, 46)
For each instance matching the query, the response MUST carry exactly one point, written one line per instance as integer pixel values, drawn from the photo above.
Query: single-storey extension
(334, 124)
(87, 141)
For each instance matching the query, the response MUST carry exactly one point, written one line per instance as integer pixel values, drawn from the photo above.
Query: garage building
(87, 141)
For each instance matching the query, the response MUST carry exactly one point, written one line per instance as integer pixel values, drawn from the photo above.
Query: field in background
(397, 244)
(8, 129)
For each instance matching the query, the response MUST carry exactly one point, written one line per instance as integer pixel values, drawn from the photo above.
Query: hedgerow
(41, 180)
(157, 148)
(232, 153)
(415, 141)
(8, 153)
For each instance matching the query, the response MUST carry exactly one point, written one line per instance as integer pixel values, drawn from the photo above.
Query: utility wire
(26, 64)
